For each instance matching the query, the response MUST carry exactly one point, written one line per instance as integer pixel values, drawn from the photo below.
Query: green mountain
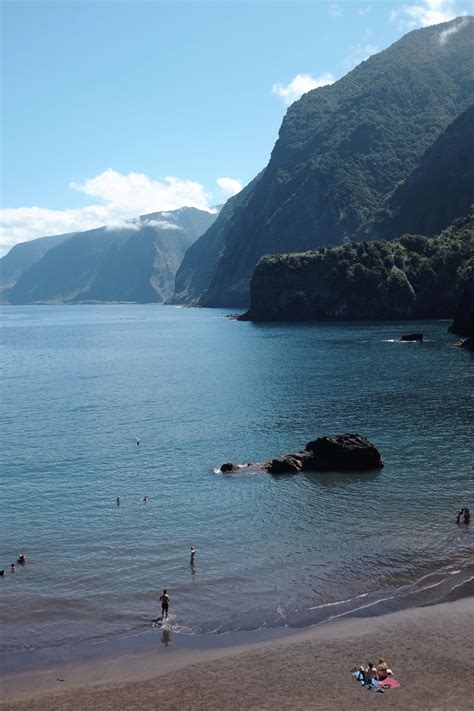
(135, 263)
(342, 152)
(440, 189)
(20, 258)
(411, 277)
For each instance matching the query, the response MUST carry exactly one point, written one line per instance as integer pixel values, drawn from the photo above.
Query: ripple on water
(81, 383)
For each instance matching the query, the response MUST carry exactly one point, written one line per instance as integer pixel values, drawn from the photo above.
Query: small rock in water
(412, 337)
(229, 467)
(467, 343)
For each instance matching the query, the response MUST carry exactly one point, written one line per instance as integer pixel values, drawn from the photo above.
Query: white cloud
(358, 53)
(444, 35)
(119, 200)
(363, 11)
(335, 10)
(136, 193)
(162, 224)
(300, 85)
(425, 13)
(229, 186)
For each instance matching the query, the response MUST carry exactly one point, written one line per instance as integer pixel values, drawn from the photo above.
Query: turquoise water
(80, 383)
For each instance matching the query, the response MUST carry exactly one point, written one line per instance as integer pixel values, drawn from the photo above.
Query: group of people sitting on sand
(375, 676)
(379, 671)
(21, 560)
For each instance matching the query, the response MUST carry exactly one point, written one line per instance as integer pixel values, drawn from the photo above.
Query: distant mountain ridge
(343, 150)
(23, 255)
(136, 262)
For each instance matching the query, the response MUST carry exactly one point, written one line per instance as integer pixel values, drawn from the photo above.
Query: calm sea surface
(78, 384)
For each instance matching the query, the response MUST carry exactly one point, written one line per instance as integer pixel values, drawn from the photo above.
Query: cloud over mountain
(425, 13)
(118, 198)
(299, 85)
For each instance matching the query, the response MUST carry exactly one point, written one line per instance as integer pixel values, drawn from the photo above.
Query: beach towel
(390, 683)
(374, 684)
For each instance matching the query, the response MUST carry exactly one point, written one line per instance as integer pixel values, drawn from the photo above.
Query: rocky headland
(413, 277)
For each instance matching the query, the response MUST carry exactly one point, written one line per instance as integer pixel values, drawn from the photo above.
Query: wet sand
(430, 649)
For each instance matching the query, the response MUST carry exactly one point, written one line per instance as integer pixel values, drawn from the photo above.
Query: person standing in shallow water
(466, 516)
(193, 556)
(165, 601)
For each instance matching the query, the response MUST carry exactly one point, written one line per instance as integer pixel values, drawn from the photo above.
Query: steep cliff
(342, 151)
(463, 324)
(201, 259)
(438, 191)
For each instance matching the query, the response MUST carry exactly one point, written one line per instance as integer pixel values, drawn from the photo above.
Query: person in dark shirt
(165, 601)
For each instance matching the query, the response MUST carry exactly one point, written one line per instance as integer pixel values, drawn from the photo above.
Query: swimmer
(145, 499)
(2, 573)
(165, 601)
(117, 500)
(21, 559)
(137, 441)
(12, 568)
(193, 555)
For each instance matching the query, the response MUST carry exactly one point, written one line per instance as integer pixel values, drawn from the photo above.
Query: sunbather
(382, 669)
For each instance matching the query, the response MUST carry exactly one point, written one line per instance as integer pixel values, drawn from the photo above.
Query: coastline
(431, 650)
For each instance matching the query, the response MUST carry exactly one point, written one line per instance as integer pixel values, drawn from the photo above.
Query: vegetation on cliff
(411, 277)
(440, 189)
(342, 151)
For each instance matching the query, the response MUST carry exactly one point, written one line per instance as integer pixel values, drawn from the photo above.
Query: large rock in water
(349, 452)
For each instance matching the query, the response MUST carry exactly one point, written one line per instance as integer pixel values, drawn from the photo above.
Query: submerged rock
(467, 343)
(228, 467)
(349, 452)
(412, 337)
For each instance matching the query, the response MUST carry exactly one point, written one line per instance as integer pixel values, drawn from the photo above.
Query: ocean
(79, 384)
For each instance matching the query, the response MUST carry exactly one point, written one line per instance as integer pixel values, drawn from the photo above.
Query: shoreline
(434, 638)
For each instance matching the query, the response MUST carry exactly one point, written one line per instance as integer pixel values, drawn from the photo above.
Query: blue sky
(104, 101)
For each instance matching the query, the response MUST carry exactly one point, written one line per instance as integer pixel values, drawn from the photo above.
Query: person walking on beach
(165, 601)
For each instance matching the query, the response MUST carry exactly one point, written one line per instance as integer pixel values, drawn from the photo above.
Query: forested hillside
(411, 277)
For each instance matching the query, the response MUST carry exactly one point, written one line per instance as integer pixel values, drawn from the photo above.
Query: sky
(116, 108)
